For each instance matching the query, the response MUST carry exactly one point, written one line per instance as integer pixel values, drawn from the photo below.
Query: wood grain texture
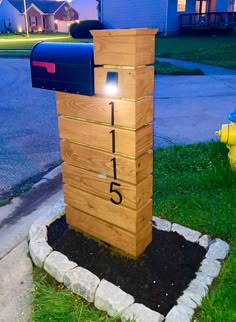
(132, 171)
(134, 196)
(117, 215)
(126, 113)
(126, 241)
(126, 50)
(128, 143)
(132, 83)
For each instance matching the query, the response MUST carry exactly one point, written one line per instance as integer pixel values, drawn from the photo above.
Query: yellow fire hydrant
(227, 135)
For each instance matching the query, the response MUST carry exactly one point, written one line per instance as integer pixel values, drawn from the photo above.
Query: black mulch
(156, 279)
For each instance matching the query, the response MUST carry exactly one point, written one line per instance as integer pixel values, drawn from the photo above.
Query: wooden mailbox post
(106, 144)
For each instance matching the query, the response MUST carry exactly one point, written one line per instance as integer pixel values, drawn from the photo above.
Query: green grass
(22, 42)
(218, 50)
(170, 69)
(19, 36)
(5, 201)
(54, 303)
(194, 186)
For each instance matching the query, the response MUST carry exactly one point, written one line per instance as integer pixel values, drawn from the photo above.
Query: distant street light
(26, 20)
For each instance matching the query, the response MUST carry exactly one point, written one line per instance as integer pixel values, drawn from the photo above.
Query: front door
(201, 6)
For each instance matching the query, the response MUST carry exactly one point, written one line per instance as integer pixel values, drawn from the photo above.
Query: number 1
(112, 113)
(113, 141)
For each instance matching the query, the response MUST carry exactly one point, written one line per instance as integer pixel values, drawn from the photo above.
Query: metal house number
(113, 185)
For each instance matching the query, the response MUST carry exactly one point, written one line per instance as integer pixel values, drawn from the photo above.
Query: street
(29, 143)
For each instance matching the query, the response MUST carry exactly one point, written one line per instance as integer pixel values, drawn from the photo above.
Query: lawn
(54, 303)
(19, 42)
(214, 50)
(193, 186)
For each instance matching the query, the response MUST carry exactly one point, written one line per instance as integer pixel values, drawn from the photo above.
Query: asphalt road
(188, 109)
(29, 142)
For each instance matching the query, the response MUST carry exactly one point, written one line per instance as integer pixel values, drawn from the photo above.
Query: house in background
(169, 16)
(87, 9)
(49, 16)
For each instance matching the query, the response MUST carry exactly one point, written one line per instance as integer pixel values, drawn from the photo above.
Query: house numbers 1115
(116, 194)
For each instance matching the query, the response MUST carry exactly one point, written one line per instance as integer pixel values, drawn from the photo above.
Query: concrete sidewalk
(16, 219)
(207, 69)
(188, 109)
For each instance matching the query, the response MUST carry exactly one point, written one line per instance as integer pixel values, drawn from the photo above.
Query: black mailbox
(66, 67)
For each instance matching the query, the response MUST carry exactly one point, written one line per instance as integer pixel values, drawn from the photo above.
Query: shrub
(81, 29)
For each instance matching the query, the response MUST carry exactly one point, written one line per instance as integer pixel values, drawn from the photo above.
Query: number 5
(120, 198)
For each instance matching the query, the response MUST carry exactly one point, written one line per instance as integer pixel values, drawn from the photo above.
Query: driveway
(29, 142)
(188, 109)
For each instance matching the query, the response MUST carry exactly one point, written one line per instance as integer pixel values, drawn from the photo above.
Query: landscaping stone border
(109, 297)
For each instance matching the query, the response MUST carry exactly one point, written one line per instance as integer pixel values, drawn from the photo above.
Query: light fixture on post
(111, 87)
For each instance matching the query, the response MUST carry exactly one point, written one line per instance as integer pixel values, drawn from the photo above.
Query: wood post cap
(124, 32)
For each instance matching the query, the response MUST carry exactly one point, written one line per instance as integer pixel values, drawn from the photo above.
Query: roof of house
(44, 6)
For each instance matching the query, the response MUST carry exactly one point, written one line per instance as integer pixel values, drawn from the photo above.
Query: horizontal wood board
(133, 196)
(133, 244)
(129, 50)
(129, 170)
(132, 83)
(128, 143)
(130, 114)
(117, 215)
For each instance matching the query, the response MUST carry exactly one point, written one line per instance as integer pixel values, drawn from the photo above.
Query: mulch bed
(156, 279)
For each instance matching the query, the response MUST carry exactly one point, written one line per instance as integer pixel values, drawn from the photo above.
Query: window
(201, 6)
(33, 20)
(232, 5)
(181, 5)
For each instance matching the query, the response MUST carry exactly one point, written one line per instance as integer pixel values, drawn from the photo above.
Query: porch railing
(209, 20)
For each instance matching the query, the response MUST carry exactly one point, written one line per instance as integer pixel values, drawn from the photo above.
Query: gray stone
(196, 286)
(57, 265)
(141, 313)
(218, 250)
(196, 297)
(16, 285)
(57, 211)
(161, 224)
(187, 233)
(185, 310)
(204, 278)
(82, 282)
(210, 267)
(48, 216)
(176, 315)
(111, 298)
(205, 241)
(39, 252)
(186, 300)
(38, 233)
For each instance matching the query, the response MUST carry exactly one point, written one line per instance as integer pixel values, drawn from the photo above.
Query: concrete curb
(120, 303)
(51, 175)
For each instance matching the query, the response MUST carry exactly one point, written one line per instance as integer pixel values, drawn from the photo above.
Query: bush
(81, 29)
